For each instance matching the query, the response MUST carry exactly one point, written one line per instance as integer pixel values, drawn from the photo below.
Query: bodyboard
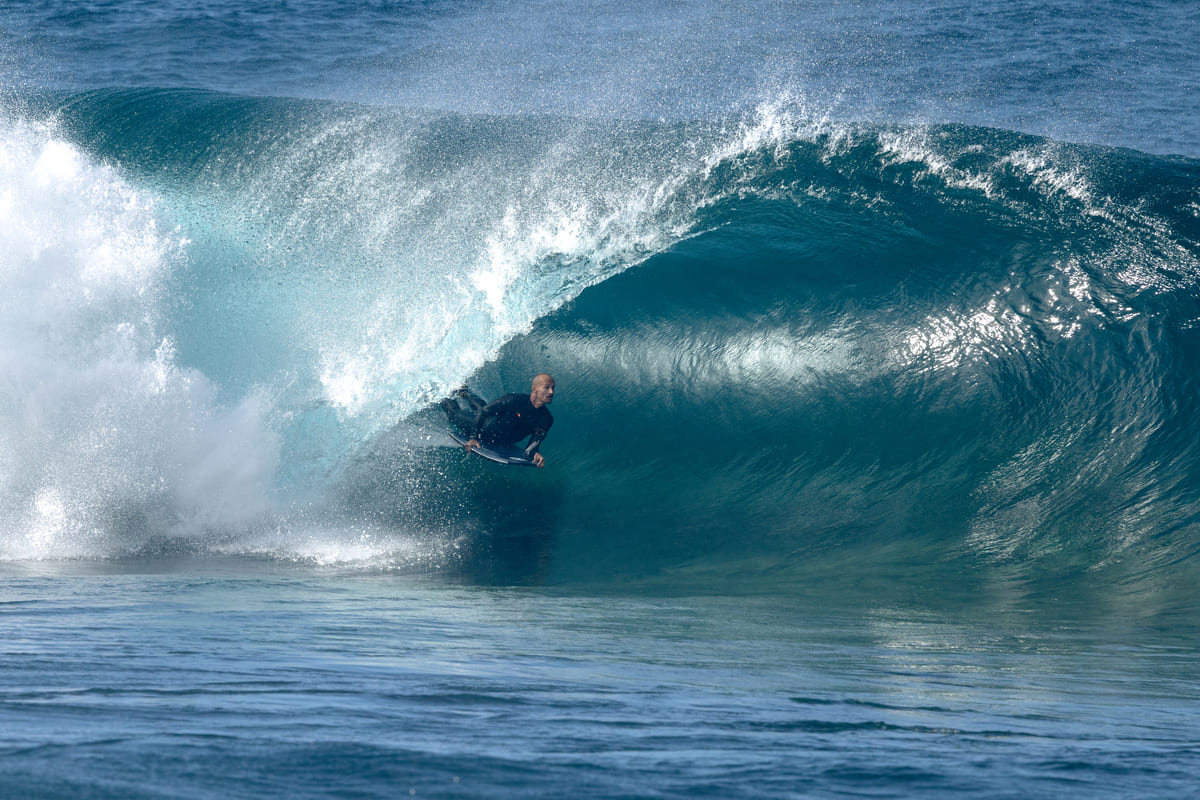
(501, 454)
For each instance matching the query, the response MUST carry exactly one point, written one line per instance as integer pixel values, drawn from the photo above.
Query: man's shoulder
(510, 401)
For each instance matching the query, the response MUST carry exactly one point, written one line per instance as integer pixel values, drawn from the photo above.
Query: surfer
(507, 420)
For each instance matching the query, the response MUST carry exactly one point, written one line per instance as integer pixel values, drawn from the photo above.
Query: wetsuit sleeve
(539, 434)
(492, 409)
(480, 419)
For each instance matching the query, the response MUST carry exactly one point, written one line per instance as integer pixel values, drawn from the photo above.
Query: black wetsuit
(506, 420)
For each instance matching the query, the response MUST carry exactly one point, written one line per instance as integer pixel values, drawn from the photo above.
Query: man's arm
(473, 442)
(492, 409)
(535, 441)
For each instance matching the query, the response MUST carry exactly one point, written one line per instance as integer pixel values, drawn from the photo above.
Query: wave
(787, 347)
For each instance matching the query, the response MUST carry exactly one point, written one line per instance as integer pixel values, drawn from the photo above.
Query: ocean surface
(876, 462)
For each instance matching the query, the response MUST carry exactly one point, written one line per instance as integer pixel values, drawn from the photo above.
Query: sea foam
(107, 444)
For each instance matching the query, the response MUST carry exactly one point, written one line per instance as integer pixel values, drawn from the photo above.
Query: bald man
(507, 420)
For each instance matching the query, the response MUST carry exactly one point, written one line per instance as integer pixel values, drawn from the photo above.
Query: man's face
(543, 392)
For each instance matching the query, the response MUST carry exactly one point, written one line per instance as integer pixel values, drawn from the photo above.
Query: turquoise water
(874, 471)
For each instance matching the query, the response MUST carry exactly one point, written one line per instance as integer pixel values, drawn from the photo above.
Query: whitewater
(874, 472)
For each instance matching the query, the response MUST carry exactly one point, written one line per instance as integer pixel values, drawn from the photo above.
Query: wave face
(901, 349)
(789, 351)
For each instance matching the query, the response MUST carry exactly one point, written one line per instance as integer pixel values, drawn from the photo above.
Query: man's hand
(472, 444)
(538, 461)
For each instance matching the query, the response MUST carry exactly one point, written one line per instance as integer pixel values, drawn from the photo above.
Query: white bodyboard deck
(501, 454)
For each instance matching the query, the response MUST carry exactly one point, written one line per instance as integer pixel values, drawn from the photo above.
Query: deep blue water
(874, 471)
(253, 680)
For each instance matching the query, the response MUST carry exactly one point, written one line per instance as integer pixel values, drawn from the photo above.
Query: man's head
(542, 391)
